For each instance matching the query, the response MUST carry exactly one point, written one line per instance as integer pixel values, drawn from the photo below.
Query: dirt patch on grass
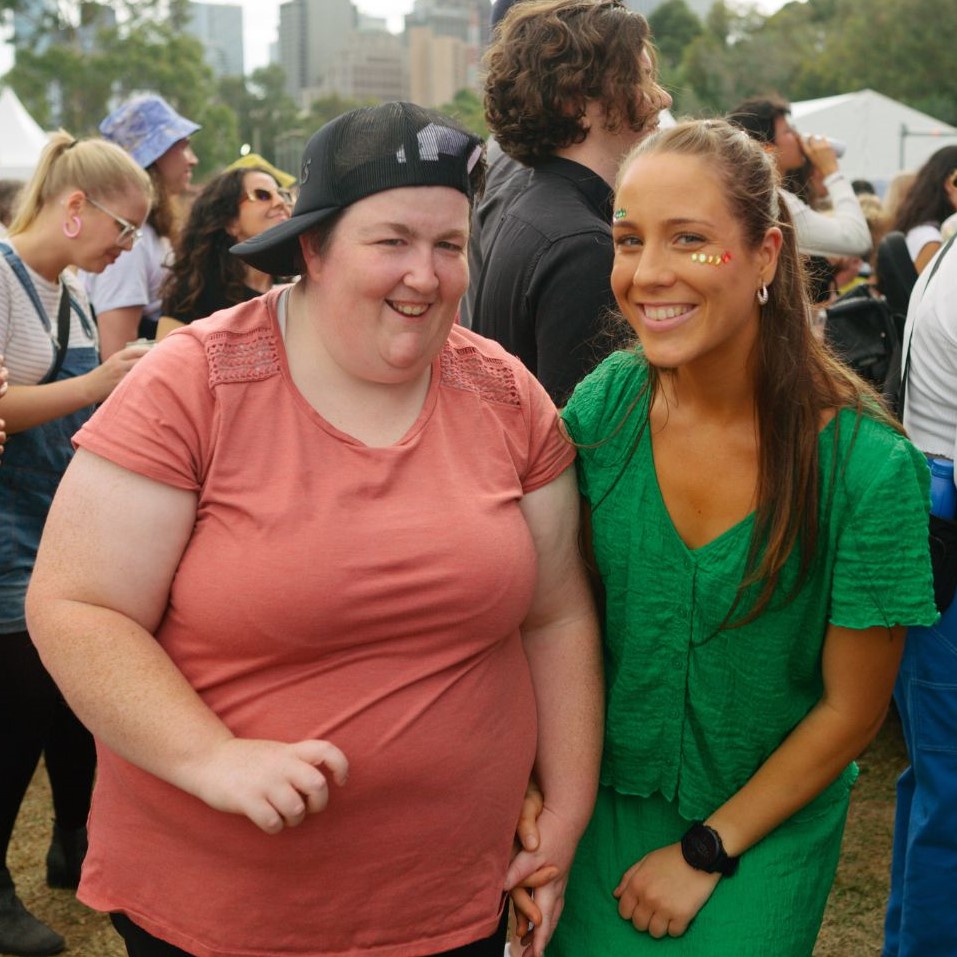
(853, 921)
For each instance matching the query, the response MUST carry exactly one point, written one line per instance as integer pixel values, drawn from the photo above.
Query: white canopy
(21, 138)
(882, 135)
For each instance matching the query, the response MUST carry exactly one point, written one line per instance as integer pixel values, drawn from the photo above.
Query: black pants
(141, 944)
(35, 720)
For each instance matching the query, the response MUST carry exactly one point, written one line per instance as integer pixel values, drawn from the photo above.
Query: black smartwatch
(701, 847)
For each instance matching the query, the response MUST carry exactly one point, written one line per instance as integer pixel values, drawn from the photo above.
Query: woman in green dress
(759, 528)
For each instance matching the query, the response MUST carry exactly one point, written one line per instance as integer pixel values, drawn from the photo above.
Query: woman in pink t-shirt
(328, 534)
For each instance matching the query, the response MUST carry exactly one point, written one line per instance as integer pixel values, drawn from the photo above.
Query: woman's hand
(527, 913)
(558, 839)
(272, 783)
(821, 154)
(102, 380)
(662, 893)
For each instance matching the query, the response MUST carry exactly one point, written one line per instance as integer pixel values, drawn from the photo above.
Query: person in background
(84, 206)
(204, 278)
(506, 178)
(9, 193)
(920, 917)
(255, 161)
(931, 198)
(569, 88)
(348, 533)
(126, 296)
(842, 231)
(711, 828)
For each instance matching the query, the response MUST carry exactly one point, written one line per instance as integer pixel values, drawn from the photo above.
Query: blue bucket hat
(146, 127)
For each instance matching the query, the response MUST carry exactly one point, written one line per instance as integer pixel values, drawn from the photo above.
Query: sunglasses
(129, 232)
(262, 195)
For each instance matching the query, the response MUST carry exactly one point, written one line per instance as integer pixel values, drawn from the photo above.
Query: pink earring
(77, 226)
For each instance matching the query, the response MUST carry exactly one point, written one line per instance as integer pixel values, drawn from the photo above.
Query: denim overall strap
(61, 337)
(33, 464)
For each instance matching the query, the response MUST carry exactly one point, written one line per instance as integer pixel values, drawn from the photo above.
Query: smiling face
(175, 166)
(386, 285)
(260, 207)
(683, 276)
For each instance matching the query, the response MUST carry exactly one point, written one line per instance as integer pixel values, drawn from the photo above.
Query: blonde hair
(99, 168)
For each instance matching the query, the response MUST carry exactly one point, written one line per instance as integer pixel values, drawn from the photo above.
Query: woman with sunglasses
(82, 208)
(127, 296)
(204, 278)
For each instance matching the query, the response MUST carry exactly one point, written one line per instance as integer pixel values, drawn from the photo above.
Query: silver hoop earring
(763, 294)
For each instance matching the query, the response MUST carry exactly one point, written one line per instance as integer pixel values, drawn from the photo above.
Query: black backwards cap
(366, 151)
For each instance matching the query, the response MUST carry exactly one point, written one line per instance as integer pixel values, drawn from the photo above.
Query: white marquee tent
(21, 138)
(882, 135)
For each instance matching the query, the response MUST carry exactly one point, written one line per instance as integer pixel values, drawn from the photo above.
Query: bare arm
(94, 630)
(563, 648)
(117, 328)
(166, 325)
(661, 893)
(25, 406)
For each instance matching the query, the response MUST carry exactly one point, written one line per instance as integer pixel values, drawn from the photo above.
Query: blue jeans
(921, 913)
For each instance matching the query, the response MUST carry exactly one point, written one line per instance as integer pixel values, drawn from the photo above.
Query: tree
(263, 108)
(63, 83)
(673, 25)
(467, 108)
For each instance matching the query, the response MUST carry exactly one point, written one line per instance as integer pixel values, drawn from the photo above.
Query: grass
(853, 920)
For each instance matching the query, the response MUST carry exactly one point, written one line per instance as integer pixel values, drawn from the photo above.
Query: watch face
(700, 847)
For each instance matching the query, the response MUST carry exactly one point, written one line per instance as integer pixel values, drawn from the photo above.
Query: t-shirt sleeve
(596, 411)
(158, 422)
(549, 451)
(882, 573)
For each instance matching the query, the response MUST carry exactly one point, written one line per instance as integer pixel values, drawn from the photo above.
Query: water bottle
(943, 493)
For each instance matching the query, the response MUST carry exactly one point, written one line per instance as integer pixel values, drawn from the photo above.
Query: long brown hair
(797, 382)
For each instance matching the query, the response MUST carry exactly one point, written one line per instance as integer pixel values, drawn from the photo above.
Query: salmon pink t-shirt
(368, 596)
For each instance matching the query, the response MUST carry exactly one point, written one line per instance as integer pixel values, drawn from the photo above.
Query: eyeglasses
(129, 233)
(262, 195)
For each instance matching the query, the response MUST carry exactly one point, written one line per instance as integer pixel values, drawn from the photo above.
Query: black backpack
(863, 331)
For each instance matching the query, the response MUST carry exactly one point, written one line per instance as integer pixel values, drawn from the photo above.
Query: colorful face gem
(620, 214)
(711, 260)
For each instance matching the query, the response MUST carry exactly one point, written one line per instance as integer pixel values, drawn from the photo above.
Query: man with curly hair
(570, 88)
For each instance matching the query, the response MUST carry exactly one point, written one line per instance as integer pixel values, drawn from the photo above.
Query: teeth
(409, 310)
(664, 312)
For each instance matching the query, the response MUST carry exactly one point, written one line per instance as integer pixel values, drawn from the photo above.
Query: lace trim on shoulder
(492, 379)
(241, 357)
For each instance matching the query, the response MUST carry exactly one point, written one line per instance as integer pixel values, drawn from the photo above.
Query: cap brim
(275, 250)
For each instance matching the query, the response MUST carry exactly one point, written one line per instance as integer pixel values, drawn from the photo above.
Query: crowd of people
(426, 577)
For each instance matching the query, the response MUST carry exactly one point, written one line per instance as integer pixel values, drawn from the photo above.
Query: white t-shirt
(930, 409)
(918, 237)
(134, 279)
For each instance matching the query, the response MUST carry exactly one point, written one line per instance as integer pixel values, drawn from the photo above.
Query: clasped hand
(274, 784)
(662, 893)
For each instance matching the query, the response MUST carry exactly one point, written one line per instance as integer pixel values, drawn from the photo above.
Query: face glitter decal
(711, 260)
(620, 214)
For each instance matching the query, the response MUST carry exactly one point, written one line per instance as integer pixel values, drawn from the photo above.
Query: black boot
(20, 932)
(65, 857)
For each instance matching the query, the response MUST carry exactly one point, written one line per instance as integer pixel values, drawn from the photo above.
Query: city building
(219, 27)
